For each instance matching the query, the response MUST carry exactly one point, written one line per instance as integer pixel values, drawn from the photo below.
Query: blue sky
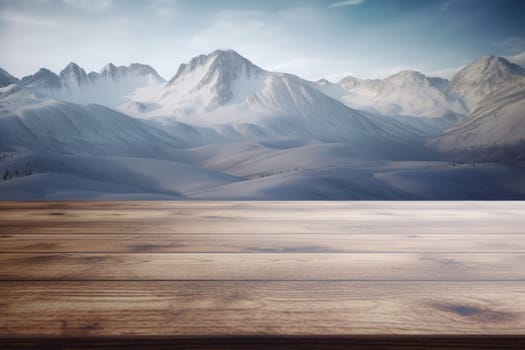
(311, 38)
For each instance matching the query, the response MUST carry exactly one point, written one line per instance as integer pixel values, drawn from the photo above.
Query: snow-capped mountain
(223, 96)
(73, 76)
(117, 73)
(44, 80)
(111, 72)
(498, 120)
(407, 93)
(6, 78)
(494, 90)
(226, 91)
(215, 80)
(224, 128)
(483, 77)
(417, 95)
(30, 123)
(111, 87)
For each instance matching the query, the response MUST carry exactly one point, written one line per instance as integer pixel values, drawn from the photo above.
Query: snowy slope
(406, 93)
(111, 87)
(31, 123)
(483, 77)
(223, 128)
(44, 81)
(498, 120)
(218, 79)
(115, 86)
(6, 78)
(336, 171)
(494, 89)
(225, 91)
(58, 176)
(73, 77)
(417, 95)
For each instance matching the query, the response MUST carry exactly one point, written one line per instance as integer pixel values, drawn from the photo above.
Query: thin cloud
(20, 18)
(347, 3)
(90, 5)
(447, 73)
(518, 59)
(315, 68)
(164, 8)
(445, 6)
(514, 45)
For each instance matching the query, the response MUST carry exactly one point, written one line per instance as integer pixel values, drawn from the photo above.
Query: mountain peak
(108, 67)
(491, 59)
(43, 79)
(110, 71)
(73, 74)
(482, 77)
(140, 66)
(113, 72)
(214, 73)
(45, 71)
(215, 61)
(407, 75)
(225, 52)
(349, 82)
(230, 60)
(323, 81)
(488, 58)
(228, 56)
(72, 66)
(145, 70)
(6, 78)
(405, 79)
(489, 65)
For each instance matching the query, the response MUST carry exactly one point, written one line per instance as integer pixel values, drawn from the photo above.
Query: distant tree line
(277, 172)
(7, 155)
(10, 174)
(513, 154)
(14, 166)
(469, 163)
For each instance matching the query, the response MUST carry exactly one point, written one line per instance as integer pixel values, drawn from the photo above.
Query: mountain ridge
(480, 78)
(6, 78)
(224, 128)
(225, 88)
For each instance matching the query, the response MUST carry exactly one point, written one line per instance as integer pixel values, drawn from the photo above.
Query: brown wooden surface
(268, 243)
(263, 266)
(309, 275)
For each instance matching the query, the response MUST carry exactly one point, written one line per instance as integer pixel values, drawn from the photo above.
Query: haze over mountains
(224, 128)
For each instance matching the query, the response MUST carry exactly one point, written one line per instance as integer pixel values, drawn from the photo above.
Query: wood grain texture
(268, 243)
(272, 206)
(262, 266)
(263, 217)
(262, 275)
(260, 308)
(295, 225)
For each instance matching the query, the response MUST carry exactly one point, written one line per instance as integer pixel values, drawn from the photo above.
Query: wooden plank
(262, 266)
(292, 225)
(269, 243)
(422, 213)
(248, 225)
(262, 217)
(270, 205)
(217, 274)
(260, 308)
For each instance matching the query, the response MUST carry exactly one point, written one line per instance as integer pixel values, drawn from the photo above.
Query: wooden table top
(279, 275)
